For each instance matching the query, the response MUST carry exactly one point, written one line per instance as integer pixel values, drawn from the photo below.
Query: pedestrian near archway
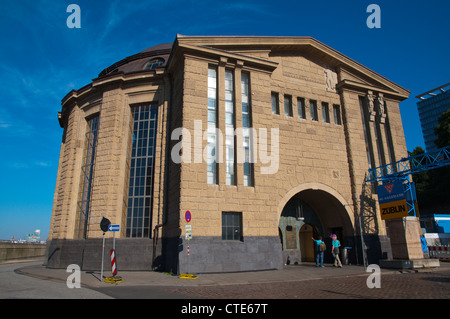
(320, 250)
(335, 251)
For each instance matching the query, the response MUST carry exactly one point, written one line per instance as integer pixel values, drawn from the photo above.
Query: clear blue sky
(41, 60)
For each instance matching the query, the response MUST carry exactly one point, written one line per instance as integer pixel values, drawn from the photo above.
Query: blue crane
(401, 170)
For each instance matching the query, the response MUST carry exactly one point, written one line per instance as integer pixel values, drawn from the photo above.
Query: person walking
(335, 251)
(320, 250)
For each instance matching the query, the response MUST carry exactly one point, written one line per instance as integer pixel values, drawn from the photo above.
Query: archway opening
(309, 214)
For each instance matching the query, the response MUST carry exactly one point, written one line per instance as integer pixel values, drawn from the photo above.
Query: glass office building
(431, 105)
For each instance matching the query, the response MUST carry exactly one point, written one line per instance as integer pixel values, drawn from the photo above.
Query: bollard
(113, 262)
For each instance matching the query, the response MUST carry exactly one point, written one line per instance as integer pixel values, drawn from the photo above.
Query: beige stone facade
(316, 189)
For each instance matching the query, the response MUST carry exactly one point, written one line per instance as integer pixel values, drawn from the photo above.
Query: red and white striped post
(113, 262)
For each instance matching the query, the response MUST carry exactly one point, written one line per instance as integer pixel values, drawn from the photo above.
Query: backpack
(322, 247)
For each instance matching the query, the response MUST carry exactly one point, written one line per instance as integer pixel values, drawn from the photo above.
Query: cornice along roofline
(217, 46)
(292, 42)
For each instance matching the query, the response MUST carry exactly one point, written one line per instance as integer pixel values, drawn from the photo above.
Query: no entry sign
(188, 216)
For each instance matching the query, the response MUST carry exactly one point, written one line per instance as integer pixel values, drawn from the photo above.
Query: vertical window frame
(288, 105)
(301, 110)
(247, 123)
(87, 176)
(212, 141)
(230, 124)
(275, 102)
(141, 166)
(313, 110)
(337, 114)
(325, 112)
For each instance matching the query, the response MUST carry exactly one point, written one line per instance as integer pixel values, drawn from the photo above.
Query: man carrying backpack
(320, 250)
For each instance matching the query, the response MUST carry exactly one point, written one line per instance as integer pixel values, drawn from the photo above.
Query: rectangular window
(337, 114)
(212, 126)
(325, 112)
(229, 128)
(288, 105)
(275, 103)
(379, 143)
(301, 108)
(143, 124)
(246, 125)
(87, 174)
(366, 129)
(313, 110)
(232, 226)
(388, 134)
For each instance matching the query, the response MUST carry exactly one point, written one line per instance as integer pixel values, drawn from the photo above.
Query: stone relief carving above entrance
(371, 105)
(330, 80)
(381, 109)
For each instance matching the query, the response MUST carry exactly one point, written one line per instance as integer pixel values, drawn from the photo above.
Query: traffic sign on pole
(188, 216)
(114, 228)
(188, 232)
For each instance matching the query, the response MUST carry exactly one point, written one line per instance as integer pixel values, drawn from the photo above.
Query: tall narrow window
(313, 110)
(367, 138)
(301, 108)
(337, 114)
(275, 101)
(387, 130)
(379, 143)
(141, 162)
(229, 128)
(212, 125)
(325, 112)
(288, 105)
(246, 126)
(87, 174)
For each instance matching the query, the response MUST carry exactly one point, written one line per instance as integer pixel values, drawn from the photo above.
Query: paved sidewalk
(292, 273)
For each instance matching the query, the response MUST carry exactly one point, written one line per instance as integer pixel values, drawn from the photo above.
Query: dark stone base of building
(206, 254)
(131, 254)
(212, 254)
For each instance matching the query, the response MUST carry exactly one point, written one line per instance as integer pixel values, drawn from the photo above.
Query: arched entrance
(312, 211)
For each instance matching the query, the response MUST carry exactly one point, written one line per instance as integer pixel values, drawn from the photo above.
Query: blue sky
(41, 60)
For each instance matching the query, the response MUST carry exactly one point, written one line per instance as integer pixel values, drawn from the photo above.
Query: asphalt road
(14, 285)
(422, 284)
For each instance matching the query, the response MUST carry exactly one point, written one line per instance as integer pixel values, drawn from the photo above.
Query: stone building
(266, 141)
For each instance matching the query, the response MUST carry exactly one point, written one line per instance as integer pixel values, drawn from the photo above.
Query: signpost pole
(114, 241)
(104, 225)
(103, 255)
(188, 218)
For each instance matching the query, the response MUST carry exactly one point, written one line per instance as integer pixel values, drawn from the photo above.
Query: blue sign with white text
(391, 192)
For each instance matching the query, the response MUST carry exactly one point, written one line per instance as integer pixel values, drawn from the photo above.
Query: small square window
(232, 226)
